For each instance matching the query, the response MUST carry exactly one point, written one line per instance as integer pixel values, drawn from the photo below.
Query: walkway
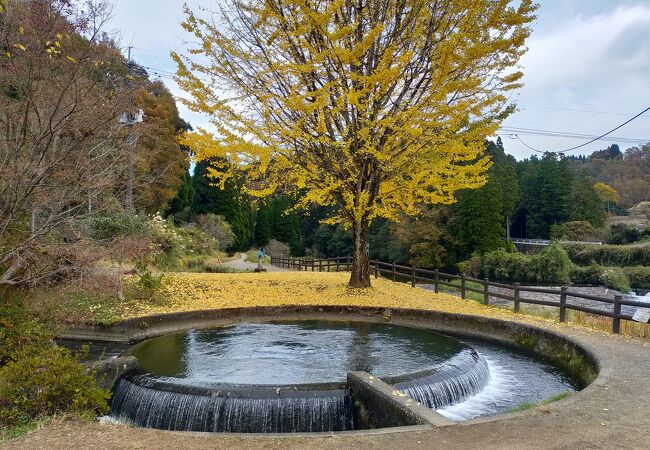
(241, 265)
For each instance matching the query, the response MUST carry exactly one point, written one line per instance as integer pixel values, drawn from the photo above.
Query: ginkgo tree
(374, 107)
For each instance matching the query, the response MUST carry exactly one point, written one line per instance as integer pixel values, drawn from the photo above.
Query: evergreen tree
(180, 206)
(263, 225)
(229, 202)
(548, 199)
(285, 225)
(586, 203)
(506, 174)
(478, 219)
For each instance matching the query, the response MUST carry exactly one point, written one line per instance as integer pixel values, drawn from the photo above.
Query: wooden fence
(466, 284)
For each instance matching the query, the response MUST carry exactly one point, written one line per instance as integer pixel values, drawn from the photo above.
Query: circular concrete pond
(284, 369)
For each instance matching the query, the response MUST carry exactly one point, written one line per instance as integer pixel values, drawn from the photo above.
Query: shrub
(148, 283)
(639, 276)
(550, 266)
(615, 278)
(111, 226)
(19, 331)
(197, 242)
(217, 227)
(38, 378)
(586, 274)
(579, 230)
(473, 267)
(553, 265)
(174, 244)
(623, 233)
(46, 381)
(609, 255)
(277, 249)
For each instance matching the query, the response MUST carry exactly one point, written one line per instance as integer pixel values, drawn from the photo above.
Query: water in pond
(245, 377)
(293, 353)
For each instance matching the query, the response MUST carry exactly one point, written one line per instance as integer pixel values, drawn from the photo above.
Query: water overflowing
(150, 407)
(460, 377)
(515, 379)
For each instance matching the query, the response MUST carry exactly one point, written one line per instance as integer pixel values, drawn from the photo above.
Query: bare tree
(61, 92)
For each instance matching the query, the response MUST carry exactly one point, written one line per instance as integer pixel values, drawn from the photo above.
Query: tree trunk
(360, 276)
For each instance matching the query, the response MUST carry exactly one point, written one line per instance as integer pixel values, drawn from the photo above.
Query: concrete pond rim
(585, 365)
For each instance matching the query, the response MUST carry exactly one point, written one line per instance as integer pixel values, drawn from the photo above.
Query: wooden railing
(465, 284)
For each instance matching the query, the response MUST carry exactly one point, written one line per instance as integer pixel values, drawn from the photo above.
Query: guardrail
(523, 241)
(466, 284)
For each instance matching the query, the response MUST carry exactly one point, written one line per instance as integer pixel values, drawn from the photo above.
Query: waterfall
(301, 411)
(460, 377)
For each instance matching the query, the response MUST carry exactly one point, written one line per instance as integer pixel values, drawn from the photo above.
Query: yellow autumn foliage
(374, 107)
(186, 292)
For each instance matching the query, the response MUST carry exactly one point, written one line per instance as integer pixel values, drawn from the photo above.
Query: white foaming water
(499, 389)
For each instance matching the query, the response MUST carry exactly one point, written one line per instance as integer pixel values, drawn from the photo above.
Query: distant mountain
(628, 172)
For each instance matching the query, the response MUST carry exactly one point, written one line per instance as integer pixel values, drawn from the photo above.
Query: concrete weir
(380, 405)
(376, 403)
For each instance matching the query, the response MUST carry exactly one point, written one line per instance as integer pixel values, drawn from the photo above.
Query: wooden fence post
(435, 281)
(486, 291)
(412, 275)
(516, 296)
(338, 259)
(462, 285)
(376, 268)
(563, 290)
(616, 323)
(394, 272)
(320, 265)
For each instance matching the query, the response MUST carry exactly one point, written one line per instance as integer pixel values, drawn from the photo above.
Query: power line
(590, 141)
(564, 134)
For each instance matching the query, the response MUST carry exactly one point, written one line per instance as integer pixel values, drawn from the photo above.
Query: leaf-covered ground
(200, 291)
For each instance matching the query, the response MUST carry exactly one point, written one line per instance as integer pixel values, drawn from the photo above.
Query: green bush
(550, 266)
(175, 244)
(47, 381)
(586, 274)
(623, 233)
(579, 230)
(612, 277)
(38, 378)
(111, 226)
(615, 278)
(19, 331)
(553, 265)
(197, 242)
(609, 255)
(639, 276)
(473, 267)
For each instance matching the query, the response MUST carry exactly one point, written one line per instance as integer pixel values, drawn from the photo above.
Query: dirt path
(610, 413)
(241, 265)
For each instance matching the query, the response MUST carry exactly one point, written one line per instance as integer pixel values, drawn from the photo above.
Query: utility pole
(129, 119)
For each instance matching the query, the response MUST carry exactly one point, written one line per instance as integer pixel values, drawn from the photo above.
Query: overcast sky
(587, 69)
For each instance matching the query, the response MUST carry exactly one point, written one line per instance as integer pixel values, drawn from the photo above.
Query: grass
(532, 405)
(7, 433)
(628, 328)
(251, 256)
